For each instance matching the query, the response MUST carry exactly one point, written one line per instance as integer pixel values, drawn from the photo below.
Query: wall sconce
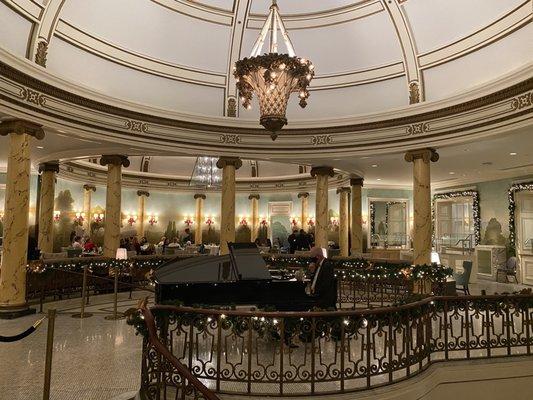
(1, 215)
(210, 221)
(243, 221)
(152, 220)
(188, 221)
(311, 221)
(294, 222)
(264, 222)
(132, 218)
(98, 217)
(334, 221)
(57, 215)
(79, 218)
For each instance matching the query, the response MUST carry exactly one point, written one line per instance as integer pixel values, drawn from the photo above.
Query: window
(454, 222)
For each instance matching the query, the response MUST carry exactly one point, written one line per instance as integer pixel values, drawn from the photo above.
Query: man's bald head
(317, 252)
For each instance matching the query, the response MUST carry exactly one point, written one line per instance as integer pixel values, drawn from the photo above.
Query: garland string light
(515, 187)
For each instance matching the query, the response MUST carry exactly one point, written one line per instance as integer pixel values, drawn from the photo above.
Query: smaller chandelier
(272, 76)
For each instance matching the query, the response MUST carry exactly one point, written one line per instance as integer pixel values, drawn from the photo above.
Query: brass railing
(305, 353)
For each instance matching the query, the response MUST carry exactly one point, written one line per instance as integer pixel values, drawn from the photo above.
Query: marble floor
(94, 358)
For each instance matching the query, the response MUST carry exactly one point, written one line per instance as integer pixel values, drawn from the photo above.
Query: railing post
(508, 327)
(249, 386)
(82, 314)
(342, 354)
(281, 349)
(529, 328)
(219, 350)
(467, 328)
(313, 329)
(389, 347)
(446, 355)
(49, 353)
(116, 314)
(368, 348)
(488, 325)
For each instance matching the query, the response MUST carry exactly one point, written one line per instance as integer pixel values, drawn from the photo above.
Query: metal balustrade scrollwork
(321, 352)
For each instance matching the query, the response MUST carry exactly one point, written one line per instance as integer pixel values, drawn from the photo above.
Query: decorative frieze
(417, 129)
(230, 139)
(31, 96)
(319, 140)
(136, 126)
(522, 101)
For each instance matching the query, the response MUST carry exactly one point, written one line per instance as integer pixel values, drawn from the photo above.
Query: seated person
(323, 285)
(76, 244)
(175, 243)
(89, 246)
(187, 237)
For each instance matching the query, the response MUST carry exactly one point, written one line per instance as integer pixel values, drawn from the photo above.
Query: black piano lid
(243, 263)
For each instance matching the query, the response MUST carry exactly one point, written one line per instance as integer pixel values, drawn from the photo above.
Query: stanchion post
(82, 313)
(49, 353)
(115, 315)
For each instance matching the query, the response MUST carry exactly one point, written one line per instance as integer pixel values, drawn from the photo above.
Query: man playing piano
(323, 284)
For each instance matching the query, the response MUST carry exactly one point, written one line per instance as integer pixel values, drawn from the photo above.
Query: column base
(12, 312)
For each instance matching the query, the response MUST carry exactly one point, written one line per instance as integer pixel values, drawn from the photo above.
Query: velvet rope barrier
(22, 335)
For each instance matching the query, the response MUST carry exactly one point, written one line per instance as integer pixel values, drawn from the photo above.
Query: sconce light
(209, 221)
(79, 218)
(57, 215)
(188, 221)
(152, 220)
(243, 221)
(294, 222)
(1, 215)
(132, 218)
(334, 221)
(311, 221)
(98, 217)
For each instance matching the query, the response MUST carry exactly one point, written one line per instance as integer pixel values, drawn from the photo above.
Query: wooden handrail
(183, 371)
(339, 313)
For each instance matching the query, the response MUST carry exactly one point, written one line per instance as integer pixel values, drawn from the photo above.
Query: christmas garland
(475, 209)
(515, 187)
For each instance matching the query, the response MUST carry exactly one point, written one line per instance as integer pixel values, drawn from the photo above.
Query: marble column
(227, 210)
(344, 221)
(422, 224)
(199, 217)
(141, 212)
(46, 206)
(87, 207)
(356, 185)
(304, 215)
(254, 203)
(113, 202)
(16, 209)
(321, 214)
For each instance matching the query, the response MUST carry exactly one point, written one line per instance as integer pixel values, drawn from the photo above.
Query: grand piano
(238, 278)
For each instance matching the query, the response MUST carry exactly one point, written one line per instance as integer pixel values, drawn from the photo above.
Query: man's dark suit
(326, 286)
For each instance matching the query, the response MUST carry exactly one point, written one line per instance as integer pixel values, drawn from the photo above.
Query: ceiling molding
(241, 13)
(488, 110)
(43, 30)
(408, 46)
(197, 10)
(85, 172)
(515, 19)
(321, 19)
(140, 62)
(27, 8)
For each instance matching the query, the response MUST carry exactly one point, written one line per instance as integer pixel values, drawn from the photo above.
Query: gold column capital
(322, 170)
(254, 196)
(20, 126)
(356, 181)
(225, 161)
(143, 193)
(89, 188)
(51, 166)
(200, 196)
(305, 195)
(426, 155)
(343, 190)
(114, 159)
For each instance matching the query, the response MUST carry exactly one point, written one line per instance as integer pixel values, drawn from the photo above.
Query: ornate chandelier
(272, 76)
(205, 173)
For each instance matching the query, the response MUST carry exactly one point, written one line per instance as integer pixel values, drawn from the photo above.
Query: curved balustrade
(304, 353)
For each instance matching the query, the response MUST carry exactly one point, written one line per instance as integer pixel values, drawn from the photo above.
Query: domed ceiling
(370, 55)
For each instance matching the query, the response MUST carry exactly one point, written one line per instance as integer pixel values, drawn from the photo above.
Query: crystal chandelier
(206, 173)
(272, 76)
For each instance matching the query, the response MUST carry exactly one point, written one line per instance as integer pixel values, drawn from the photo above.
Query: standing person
(302, 241)
(293, 240)
(324, 284)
